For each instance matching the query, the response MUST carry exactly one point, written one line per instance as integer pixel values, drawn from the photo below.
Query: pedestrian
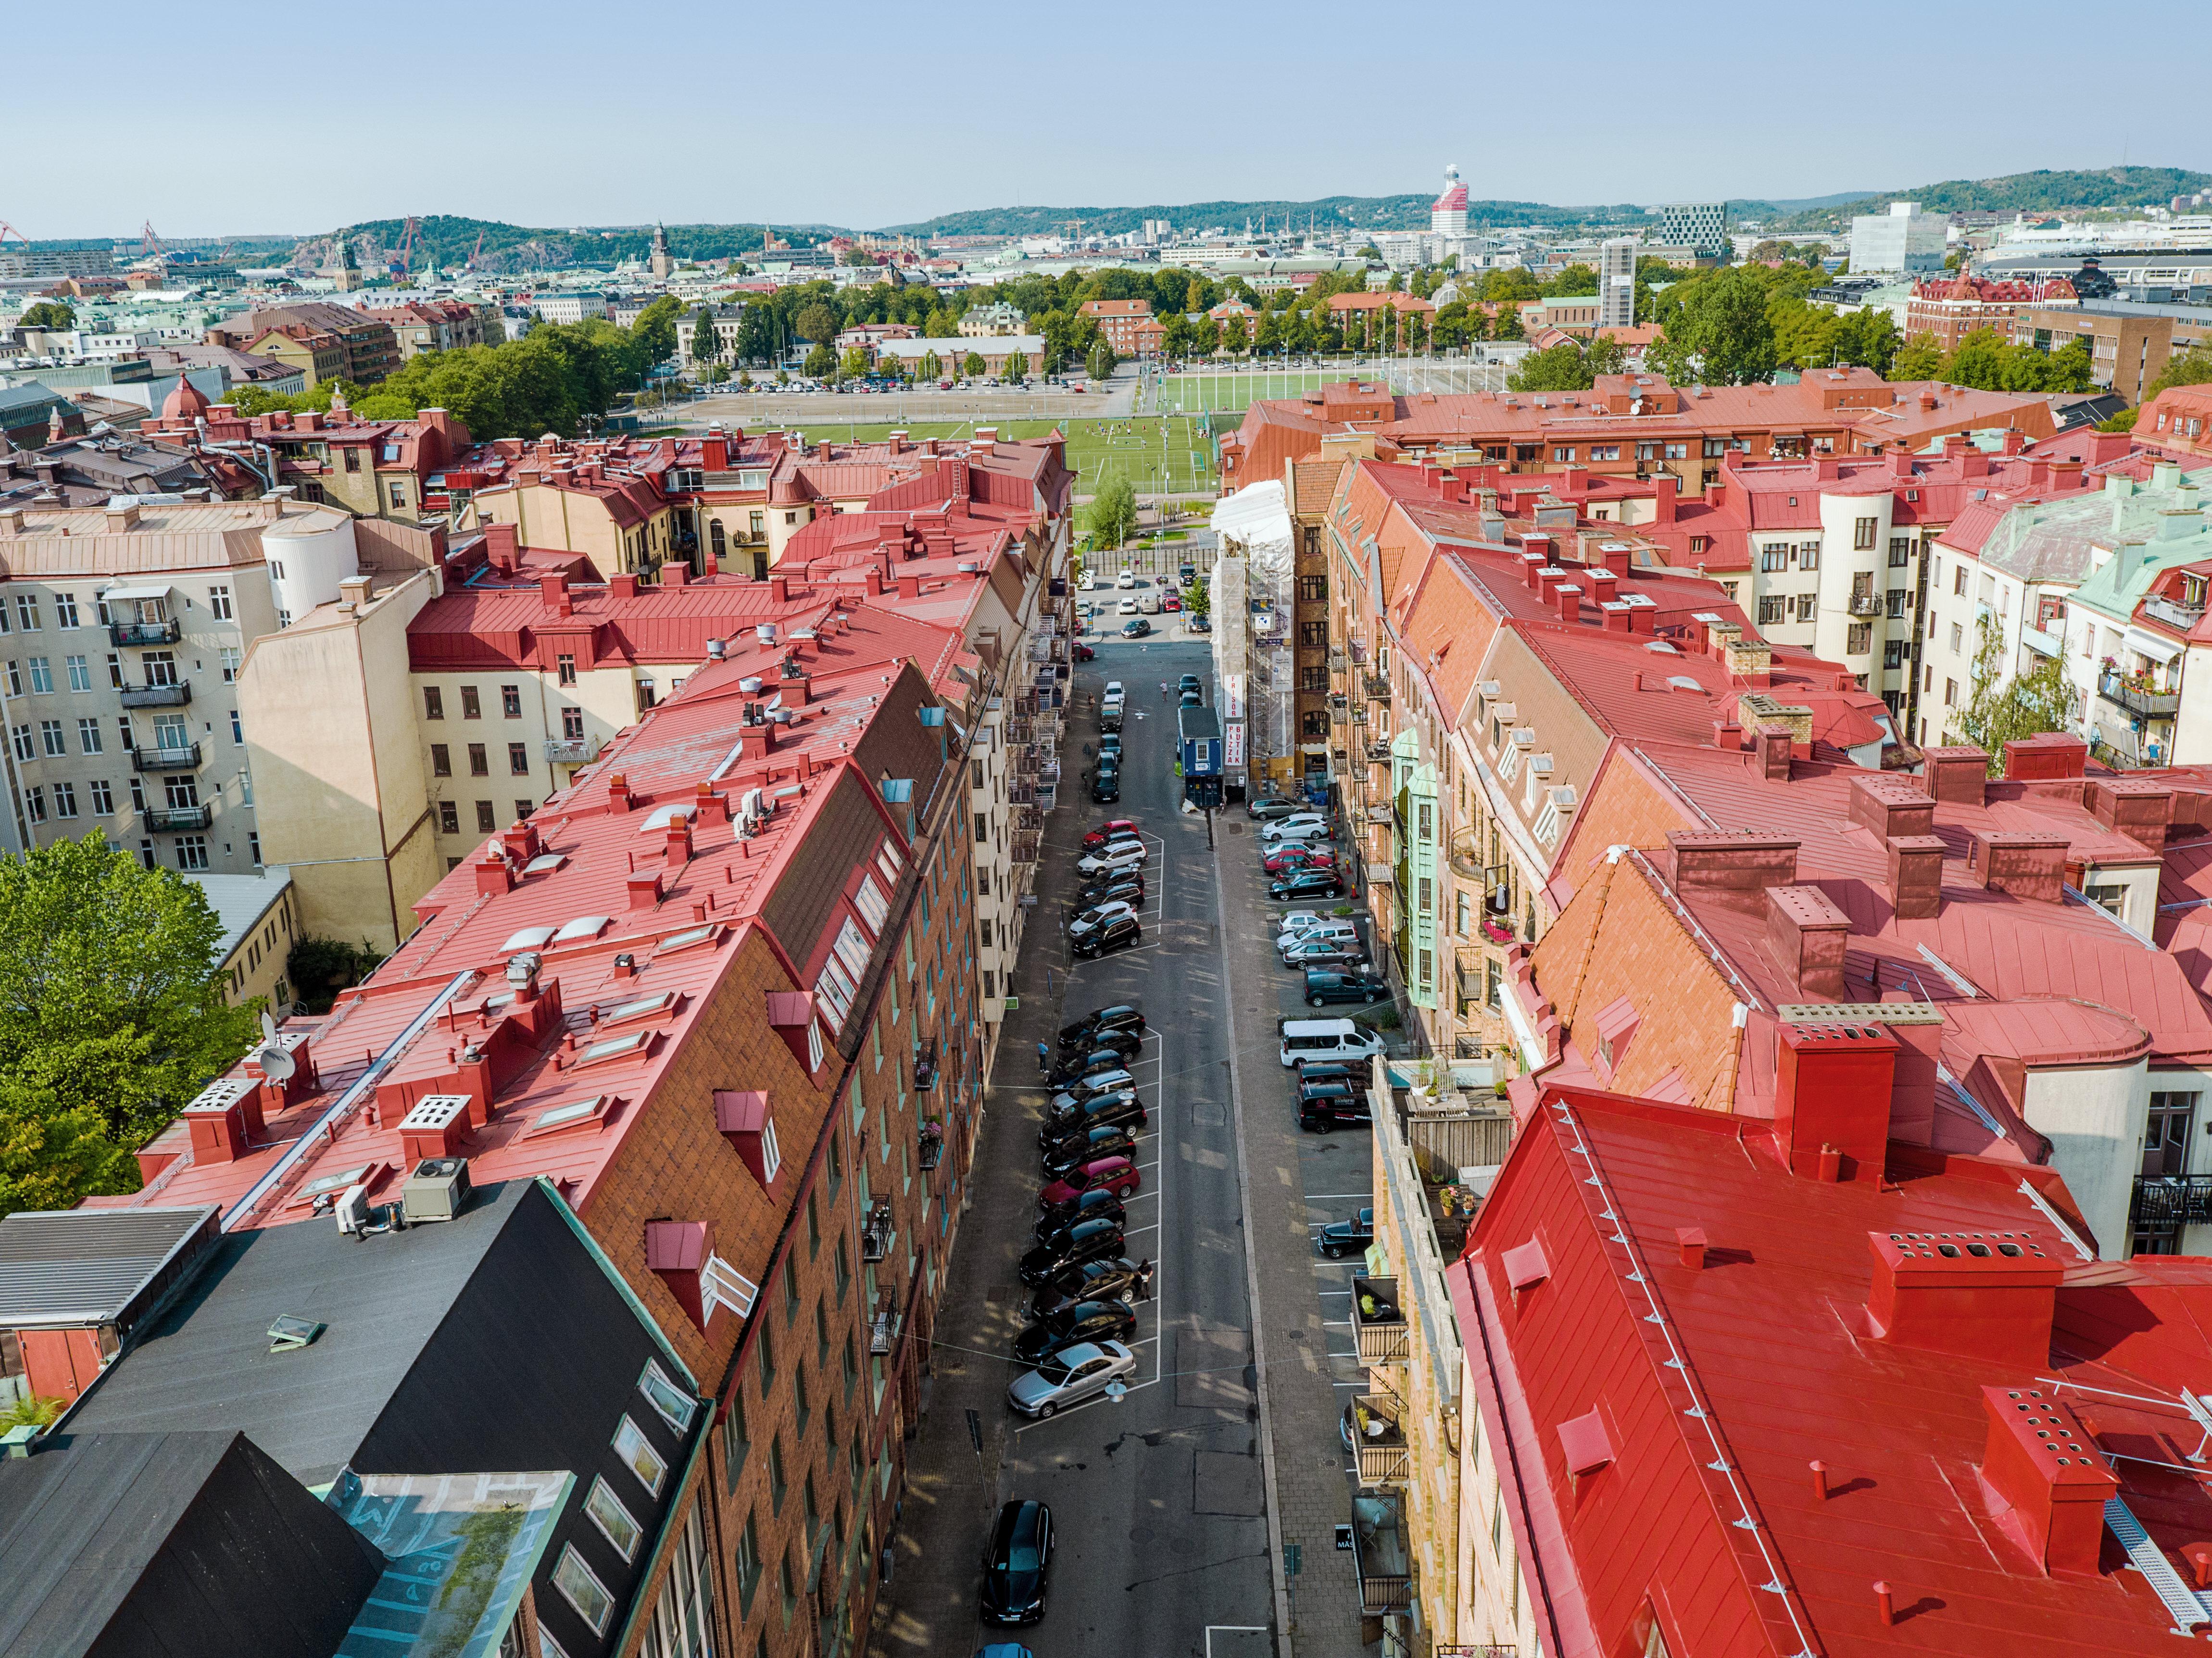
(1145, 1278)
(1044, 1060)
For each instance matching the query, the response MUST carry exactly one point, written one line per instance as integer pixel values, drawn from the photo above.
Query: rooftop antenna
(274, 1059)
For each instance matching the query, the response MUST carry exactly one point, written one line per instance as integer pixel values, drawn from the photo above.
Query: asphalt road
(1159, 1499)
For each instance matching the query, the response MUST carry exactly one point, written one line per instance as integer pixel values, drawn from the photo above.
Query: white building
(1616, 282)
(1902, 239)
(570, 308)
(1448, 213)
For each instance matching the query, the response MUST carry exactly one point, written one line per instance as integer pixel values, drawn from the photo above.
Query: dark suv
(1122, 932)
(1328, 986)
(1309, 882)
(1123, 1017)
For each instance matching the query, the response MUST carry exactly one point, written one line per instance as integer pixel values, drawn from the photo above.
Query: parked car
(1326, 1070)
(1070, 1376)
(1322, 1114)
(1099, 914)
(1346, 1237)
(1017, 1563)
(1117, 855)
(1273, 808)
(1087, 1145)
(1306, 884)
(1110, 743)
(1123, 1106)
(1088, 1239)
(1284, 860)
(1127, 888)
(1323, 986)
(1125, 1017)
(1086, 1321)
(1127, 579)
(1190, 682)
(1085, 652)
(1342, 931)
(1097, 1083)
(1299, 825)
(1191, 699)
(1110, 829)
(1106, 784)
(1200, 624)
(1326, 952)
(1096, 1205)
(1128, 607)
(1078, 1065)
(1122, 932)
(1169, 601)
(1116, 1174)
(1135, 628)
(1186, 574)
(1109, 1277)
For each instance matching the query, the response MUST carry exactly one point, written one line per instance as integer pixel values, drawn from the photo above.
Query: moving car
(1116, 1174)
(1112, 828)
(1096, 1204)
(1186, 574)
(1135, 628)
(1085, 652)
(1117, 855)
(1122, 932)
(1064, 1157)
(1086, 1321)
(1322, 1115)
(1113, 688)
(1123, 1106)
(1346, 1237)
(1323, 986)
(1088, 1239)
(1271, 808)
(1017, 1563)
(1306, 884)
(1109, 1277)
(1124, 1017)
(1326, 952)
(1078, 1065)
(1070, 1376)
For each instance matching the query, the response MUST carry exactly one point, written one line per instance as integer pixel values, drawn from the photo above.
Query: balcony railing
(1378, 1443)
(932, 1148)
(1378, 1545)
(1376, 686)
(171, 820)
(145, 633)
(2136, 699)
(925, 1064)
(1359, 714)
(2174, 615)
(1378, 1322)
(883, 1329)
(1463, 851)
(876, 1232)
(1866, 603)
(572, 750)
(157, 696)
(2173, 1200)
(1378, 754)
(167, 759)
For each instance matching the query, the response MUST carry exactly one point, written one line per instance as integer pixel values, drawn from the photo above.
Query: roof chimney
(2043, 757)
(2042, 1465)
(1740, 863)
(493, 876)
(435, 1127)
(2137, 807)
(1616, 617)
(1807, 932)
(2025, 865)
(675, 572)
(779, 589)
(714, 452)
(217, 1122)
(557, 599)
(1982, 1296)
(1887, 805)
(1569, 598)
(1959, 774)
(1774, 742)
(644, 888)
(1832, 1089)
(1916, 876)
(1728, 735)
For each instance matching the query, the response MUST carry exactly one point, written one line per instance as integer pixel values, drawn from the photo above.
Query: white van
(1326, 1039)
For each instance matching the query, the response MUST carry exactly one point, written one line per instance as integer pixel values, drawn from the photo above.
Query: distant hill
(1328, 213)
(2112, 187)
(449, 241)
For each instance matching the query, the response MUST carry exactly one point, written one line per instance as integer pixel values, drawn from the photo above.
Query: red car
(1115, 1175)
(1169, 601)
(1085, 653)
(1107, 830)
(1294, 858)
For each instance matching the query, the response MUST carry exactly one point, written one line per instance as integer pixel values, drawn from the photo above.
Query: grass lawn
(1231, 393)
(1153, 454)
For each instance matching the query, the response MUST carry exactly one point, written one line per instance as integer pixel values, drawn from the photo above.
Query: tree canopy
(2004, 706)
(1717, 331)
(1114, 512)
(1569, 367)
(47, 313)
(112, 1016)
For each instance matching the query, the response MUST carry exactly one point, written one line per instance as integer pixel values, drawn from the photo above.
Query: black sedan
(1017, 1563)
(1122, 1106)
(1106, 784)
(1321, 988)
(1070, 1152)
(1332, 1110)
(1296, 884)
(1099, 1205)
(1086, 1321)
(1346, 1237)
(1127, 1043)
(1122, 932)
(1109, 1277)
(1120, 1017)
(1116, 890)
(1135, 628)
(1088, 1240)
(1074, 1067)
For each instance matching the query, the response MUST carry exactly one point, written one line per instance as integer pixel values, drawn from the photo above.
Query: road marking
(1326, 1197)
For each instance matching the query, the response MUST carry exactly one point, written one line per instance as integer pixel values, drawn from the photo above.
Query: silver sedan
(1070, 1376)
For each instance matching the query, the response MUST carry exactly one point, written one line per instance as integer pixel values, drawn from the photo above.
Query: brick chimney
(1531, 565)
(1773, 742)
(675, 573)
(1807, 932)
(1887, 805)
(1985, 1296)
(2137, 807)
(1717, 859)
(2025, 865)
(1569, 598)
(502, 548)
(1832, 1089)
(218, 1131)
(435, 1125)
(779, 589)
(2045, 757)
(1618, 618)
(1916, 876)
(714, 452)
(2042, 1466)
(644, 889)
(1619, 560)
(554, 588)
(493, 876)
(1662, 500)
(1600, 584)
(1727, 735)
(1959, 775)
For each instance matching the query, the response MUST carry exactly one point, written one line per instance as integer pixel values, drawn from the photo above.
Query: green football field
(1158, 455)
(1232, 393)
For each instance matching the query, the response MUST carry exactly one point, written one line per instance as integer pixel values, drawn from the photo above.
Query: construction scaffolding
(1250, 591)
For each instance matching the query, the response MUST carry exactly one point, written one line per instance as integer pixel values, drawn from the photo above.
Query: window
(398, 492)
(80, 672)
(565, 669)
(748, 1564)
(1892, 653)
(103, 797)
(1771, 607)
(1313, 589)
(1563, 452)
(160, 668)
(1808, 555)
(442, 760)
(1604, 452)
(64, 800)
(2165, 1135)
(433, 702)
(612, 1519)
(1773, 557)
(479, 760)
(1957, 635)
(737, 1437)
(1858, 639)
(37, 799)
(639, 1457)
(1959, 583)
(644, 695)
(191, 851)
(1862, 533)
(669, 1402)
(518, 759)
(1675, 451)
(778, 1485)
(352, 452)
(219, 603)
(50, 737)
(471, 709)
(449, 818)
(577, 1584)
(228, 657)
(487, 819)
(571, 724)
(237, 731)
(524, 808)
(510, 701)
(1808, 605)
(1950, 693)
(114, 667)
(42, 676)
(19, 736)
(27, 611)
(1900, 551)
(65, 609)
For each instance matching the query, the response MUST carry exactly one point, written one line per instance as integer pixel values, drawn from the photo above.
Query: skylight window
(545, 863)
(639, 1457)
(835, 988)
(874, 908)
(638, 1007)
(614, 1047)
(583, 1590)
(584, 926)
(852, 949)
(529, 939)
(685, 940)
(612, 1519)
(887, 859)
(675, 1407)
(316, 1189)
(573, 1114)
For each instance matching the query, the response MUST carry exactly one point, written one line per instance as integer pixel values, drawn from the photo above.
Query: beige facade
(612, 527)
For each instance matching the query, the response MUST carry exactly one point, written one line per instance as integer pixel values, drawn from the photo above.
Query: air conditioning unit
(437, 1190)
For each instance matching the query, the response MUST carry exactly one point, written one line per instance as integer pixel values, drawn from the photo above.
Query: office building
(1700, 226)
(1903, 239)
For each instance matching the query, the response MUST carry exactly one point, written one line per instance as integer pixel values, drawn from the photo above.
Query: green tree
(1236, 339)
(1510, 285)
(2191, 368)
(112, 1016)
(1718, 331)
(933, 366)
(2004, 706)
(1175, 336)
(1205, 337)
(1015, 369)
(1101, 362)
(1198, 598)
(47, 313)
(705, 338)
(817, 324)
(654, 331)
(1574, 279)
(821, 362)
(972, 367)
(853, 365)
(1920, 358)
(1869, 337)
(1568, 366)
(940, 324)
(1114, 512)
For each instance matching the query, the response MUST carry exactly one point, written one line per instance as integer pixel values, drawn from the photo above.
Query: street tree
(1114, 512)
(705, 339)
(855, 364)
(933, 366)
(1017, 368)
(1920, 358)
(821, 362)
(816, 324)
(1235, 337)
(1719, 331)
(973, 366)
(1103, 361)
(654, 332)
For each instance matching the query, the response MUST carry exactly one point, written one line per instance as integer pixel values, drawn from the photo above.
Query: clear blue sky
(217, 117)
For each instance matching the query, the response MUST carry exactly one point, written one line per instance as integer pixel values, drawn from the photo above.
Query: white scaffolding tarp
(1251, 590)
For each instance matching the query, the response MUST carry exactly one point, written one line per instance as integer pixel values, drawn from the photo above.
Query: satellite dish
(274, 1059)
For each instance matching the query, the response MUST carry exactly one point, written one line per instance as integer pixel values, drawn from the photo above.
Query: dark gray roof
(76, 1268)
(150, 1546)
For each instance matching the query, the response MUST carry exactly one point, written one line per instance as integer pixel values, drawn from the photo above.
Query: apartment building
(984, 322)
(1949, 310)
(334, 342)
(424, 325)
(1126, 325)
(719, 994)
(2130, 344)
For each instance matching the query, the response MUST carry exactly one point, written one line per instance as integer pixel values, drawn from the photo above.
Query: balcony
(166, 758)
(2042, 641)
(1378, 1321)
(1357, 648)
(932, 1147)
(1866, 603)
(1359, 715)
(572, 750)
(1378, 1443)
(145, 633)
(1022, 847)
(1378, 1545)
(876, 1232)
(883, 1328)
(1463, 851)
(925, 1064)
(2181, 617)
(157, 696)
(176, 820)
(2172, 1201)
(2137, 699)
(1378, 754)
(1376, 687)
